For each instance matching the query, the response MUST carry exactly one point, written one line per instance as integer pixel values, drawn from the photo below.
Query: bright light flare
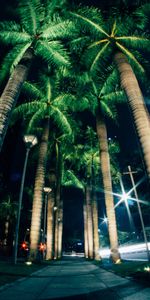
(147, 269)
(125, 249)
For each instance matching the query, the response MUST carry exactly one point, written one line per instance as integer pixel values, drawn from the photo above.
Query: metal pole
(45, 210)
(19, 207)
(140, 212)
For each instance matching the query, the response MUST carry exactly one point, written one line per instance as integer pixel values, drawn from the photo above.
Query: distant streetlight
(30, 141)
(104, 220)
(46, 190)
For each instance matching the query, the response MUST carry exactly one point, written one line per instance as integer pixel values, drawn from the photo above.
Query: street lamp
(46, 190)
(30, 141)
(140, 212)
(125, 197)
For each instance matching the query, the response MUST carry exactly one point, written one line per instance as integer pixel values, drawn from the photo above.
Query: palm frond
(142, 16)
(28, 109)
(92, 18)
(109, 112)
(29, 16)
(14, 37)
(99, 56)
(64, 100)
(135, 42)
(70, 179)
(37, 117)
(32, 91)
(90, 137)
(53, 53)
(114, 97)
(109, 82)
(52, 7)
(11, 59)
(60, 120)
(57, 30)
(131, 57)
(10, 26)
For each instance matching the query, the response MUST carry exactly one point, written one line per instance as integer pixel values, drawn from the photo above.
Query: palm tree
(48, 107)
(100, 96)
(93, 166)
(37, 34)
(38, 191)
(122, 45)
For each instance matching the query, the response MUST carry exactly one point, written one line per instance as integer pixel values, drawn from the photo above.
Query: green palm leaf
(32, 91)
(131, 57)
(28, 108)
(11, 59)
(70, 179)
(109, 112)
(57, 30)
(82, 16)
(38, 116)
(29, 16)
(53, 53)
(99, 56)
(12, 37)
(118, 97)
(60, 119)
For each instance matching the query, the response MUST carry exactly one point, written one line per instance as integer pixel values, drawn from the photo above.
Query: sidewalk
(74, 278)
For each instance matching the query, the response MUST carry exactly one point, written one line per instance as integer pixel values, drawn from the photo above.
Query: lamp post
(130, 172)
(30, 141)
(46, 190)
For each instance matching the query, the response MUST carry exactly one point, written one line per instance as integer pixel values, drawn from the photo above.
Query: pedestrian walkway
(74, 279)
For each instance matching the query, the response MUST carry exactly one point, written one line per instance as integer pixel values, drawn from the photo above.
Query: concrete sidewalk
(74, 279)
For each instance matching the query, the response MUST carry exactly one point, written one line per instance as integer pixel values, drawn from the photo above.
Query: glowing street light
(30, 141)
(125, 197)
(104, 220)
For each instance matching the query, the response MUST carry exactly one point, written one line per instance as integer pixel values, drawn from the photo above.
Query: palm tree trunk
(89, 222)
(85, 229)
(38, 194)
(136, 103)
(95, 226)
(6, 230)
(11, 92)
(50, 226)
(106, 176)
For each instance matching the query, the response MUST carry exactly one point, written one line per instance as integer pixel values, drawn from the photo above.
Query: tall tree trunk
(50, 226)
(136, 103)
(95, 225)
(11, 92)
(6, 230)
(38, 194)
(85, 229)
(89, 222)
(107, 183)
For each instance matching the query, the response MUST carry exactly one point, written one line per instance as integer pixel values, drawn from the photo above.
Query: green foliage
(69, 179)
(109, 38)
(45, 36)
